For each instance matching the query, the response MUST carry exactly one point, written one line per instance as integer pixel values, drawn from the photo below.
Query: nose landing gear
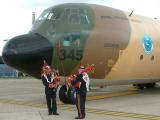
(67, 95)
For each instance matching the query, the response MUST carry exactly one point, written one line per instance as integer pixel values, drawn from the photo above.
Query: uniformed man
(51, 85)
(81, 90)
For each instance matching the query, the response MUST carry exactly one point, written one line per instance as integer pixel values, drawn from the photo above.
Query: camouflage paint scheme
(114, 45)
(112, 40)
(108, 27)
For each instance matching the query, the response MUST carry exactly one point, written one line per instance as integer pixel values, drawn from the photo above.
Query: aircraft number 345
(70, 54)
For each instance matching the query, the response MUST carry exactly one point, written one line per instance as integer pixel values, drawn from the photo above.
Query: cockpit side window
(44, 15)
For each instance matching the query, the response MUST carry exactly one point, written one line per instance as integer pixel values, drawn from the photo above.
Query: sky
(16, 15)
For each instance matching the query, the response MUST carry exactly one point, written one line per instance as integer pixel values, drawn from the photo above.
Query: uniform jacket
(82, 89)
(46, 80)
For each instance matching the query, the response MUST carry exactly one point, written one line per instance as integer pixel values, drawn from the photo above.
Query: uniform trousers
(80, 103)
(51, 102)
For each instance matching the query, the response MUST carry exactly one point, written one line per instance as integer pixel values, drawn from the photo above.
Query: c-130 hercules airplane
(124, 47)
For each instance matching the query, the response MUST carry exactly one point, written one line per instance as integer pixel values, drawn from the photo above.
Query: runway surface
(23, 99)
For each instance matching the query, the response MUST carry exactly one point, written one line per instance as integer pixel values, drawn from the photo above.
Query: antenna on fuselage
(131, 13)
(33, 17)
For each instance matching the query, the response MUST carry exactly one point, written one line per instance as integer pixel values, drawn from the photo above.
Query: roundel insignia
(147, 44)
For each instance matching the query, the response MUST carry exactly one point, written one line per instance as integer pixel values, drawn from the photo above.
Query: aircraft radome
(124, 48)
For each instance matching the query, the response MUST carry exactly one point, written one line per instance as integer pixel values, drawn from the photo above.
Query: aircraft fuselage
(121, 47)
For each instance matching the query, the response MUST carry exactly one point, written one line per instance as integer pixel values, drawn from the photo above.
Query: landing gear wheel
(63, 94)
(150, 85)
(141, 86)
(72, 95)
(146, 85)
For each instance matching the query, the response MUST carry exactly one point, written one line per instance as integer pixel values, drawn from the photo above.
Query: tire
(72, 96)
(63, 94)
(150, 85)
(147, 85)
(139, 86)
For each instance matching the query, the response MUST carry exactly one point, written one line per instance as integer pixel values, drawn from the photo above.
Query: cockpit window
(72, 39)
(44, 15)
(76, 16)
(49, 15)
(84, 19)
(74, 19)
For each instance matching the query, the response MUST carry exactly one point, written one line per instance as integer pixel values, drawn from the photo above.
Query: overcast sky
(16, 15)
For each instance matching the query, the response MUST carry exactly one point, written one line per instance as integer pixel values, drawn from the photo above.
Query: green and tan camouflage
(122, 47)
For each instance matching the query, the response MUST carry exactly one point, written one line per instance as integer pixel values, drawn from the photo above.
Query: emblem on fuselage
(147, 43)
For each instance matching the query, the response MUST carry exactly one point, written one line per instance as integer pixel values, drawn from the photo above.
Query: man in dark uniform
(50, 90)
(81, 91)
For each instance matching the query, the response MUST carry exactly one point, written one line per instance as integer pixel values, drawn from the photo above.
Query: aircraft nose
(27, 52)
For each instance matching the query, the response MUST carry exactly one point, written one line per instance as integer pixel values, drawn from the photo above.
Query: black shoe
(49, 113)
(79, 117)
(83, 117)
(55, 113)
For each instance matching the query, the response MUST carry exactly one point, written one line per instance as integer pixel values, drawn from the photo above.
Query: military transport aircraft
(124, 47)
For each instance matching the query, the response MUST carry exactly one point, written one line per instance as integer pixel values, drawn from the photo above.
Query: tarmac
(24, 99)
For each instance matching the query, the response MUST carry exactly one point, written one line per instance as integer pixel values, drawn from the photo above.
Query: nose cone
(27, 52)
